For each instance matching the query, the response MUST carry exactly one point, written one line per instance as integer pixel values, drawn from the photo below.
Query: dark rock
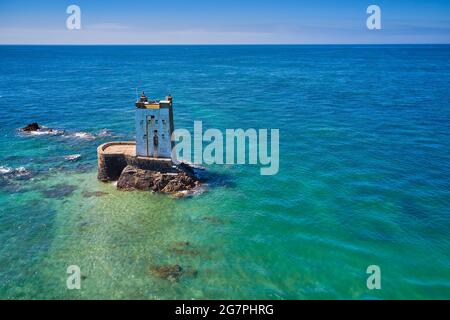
(133, 178)
(186, 168)
(128, 177)
(159, 181)
(181, 182)
(31, 127)
(192, 170)
(168, 272)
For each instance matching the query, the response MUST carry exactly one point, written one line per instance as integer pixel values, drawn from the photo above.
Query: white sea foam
(72, 157)
(19, 171)
(104, 133)
(190, 193)
(83, 135)
(42, 131)
(197, 191)
(5, 170)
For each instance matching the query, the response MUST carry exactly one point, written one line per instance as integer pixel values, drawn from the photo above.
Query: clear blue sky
(218, 21)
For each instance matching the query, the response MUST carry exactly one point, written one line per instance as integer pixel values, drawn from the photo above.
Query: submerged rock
(34, 126)
(14, 172)
(83, 225)
(168, 272)
(178, 244)
(183, 248)
(186, 252)
(172, 273)
(59, 191)
(190, 272)
(212, 219)
(89, 194)
(133, 178)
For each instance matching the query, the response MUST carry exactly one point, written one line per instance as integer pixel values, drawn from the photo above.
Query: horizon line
(221, 44)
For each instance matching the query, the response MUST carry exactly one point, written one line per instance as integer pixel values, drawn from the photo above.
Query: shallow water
(364, 173)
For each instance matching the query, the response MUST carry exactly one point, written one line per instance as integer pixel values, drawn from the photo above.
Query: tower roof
(144, 103)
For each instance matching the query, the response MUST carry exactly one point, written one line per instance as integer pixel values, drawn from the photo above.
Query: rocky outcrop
(35, 129)
(133, 178)
(117, 161)
(181, 182)
(31, 127)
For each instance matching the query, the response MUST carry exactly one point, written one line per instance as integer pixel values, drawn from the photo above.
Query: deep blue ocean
(364, 174)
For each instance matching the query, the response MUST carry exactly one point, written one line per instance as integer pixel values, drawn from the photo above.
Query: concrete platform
(114, 156)
(120, 147)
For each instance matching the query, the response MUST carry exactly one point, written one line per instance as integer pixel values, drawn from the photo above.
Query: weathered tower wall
(154, 127)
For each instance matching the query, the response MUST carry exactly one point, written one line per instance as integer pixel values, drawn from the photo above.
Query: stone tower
(154, 127)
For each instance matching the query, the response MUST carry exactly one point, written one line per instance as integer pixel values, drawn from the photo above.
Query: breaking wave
(104, 133)
(7, 171)
(44, 131)
(4, 170)
(72, 157)
(83, 135)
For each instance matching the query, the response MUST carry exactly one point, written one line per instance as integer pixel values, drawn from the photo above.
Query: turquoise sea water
(364, 173)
